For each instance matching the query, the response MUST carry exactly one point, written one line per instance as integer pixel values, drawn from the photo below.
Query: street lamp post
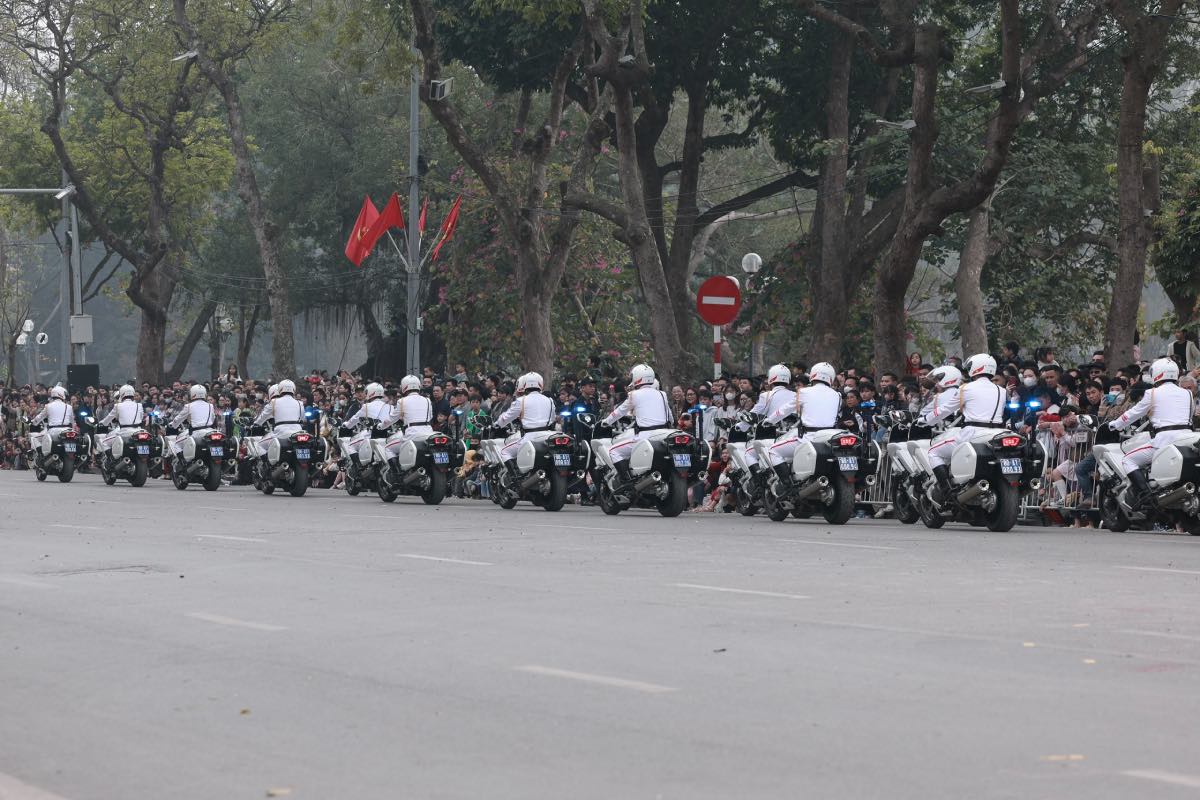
(751, 264)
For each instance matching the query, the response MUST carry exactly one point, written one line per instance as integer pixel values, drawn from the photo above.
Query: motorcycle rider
(779, 378)
(1170, 408)
(650, 411)
(378, 410)
(982, 404)
(200, 416)
(414, 409)
(948, 383)
(127, 413)
(534, 410)
(287, 413)
(817, 404)
(58, 416)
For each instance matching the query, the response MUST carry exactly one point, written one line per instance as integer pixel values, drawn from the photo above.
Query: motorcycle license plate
(303, 455)
(143, 449)
(848, 463)
(1010, 466)
(216, 452)
(562, 459)
(683, 460)
(68, 447)
(441, 458)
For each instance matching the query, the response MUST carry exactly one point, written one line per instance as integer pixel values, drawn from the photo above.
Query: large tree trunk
(152, 295)
(1133, 237)
(971, 323)
(537, 336)
(246, 339)
(827, 262)
(202, 322)
(266, 233)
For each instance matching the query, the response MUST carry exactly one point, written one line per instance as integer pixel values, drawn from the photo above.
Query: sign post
(718, 303)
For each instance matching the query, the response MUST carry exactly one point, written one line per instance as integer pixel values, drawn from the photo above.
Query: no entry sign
(719, 300)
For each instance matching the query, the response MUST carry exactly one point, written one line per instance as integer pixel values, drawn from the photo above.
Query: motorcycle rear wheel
(1003, 517)
(68, 470)
(556, 498)
(744, 503)
(212, 481)
(677, 494)
(604, 498)
(141, 469)
(386, 493)
(842, 507)
(436, 492)
(299, 481)
(773, 508)
(929, 515)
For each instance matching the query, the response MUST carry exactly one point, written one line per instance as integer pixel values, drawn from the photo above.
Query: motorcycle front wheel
(1111, 515)
(903, 508)
(744, 503)
(929, 515)
(604, 497)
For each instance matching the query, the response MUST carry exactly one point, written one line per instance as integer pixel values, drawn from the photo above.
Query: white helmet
(198, 392)
(410, 383)
(533, 381)
(779, 375)
(980, 365)
(823, 372)
(273, 392)
(641, 375)
(1164, 369)
(126, 392)
(58, 393)
(946, 377)
(287, 387)
(374, 391)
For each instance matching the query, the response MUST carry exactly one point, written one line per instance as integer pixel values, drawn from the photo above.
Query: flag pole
(413, 264)
(399, 252)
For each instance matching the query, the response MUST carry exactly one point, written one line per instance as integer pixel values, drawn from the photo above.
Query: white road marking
(236, 623)
(78, 527)
(17, 580)
(372, 516)
(105, 502)
(1159, 635)
(228, 538)
(603, 680)
(13, 789)
(841, 544)
(1163, 569)
(447, 560)
(739, 591)
(571, 527)
(220, 508)
(1190, 781)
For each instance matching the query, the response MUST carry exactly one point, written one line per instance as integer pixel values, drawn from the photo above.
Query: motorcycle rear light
(304, 437)
(1010, 441)
(561, 440)
(69, 434)
(143, 436)
(216, 437)
(684, 439)
(441, 440)
(847, 441)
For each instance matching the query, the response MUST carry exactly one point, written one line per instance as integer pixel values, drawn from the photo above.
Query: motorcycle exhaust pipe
(414, 477)
(810, 489)
(534, 479)
(971, 492)
(1177, 495)
(646, 481)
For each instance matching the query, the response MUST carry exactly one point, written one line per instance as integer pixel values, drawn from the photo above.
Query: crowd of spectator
(1045, 400)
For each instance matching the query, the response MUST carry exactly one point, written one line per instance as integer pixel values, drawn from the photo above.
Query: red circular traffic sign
(719, 300)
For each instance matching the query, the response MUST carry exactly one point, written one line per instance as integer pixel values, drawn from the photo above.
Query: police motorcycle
(245, 449)
(821, 477)
(1171, 479)
(660, 468)
(907, 441)
(988, 473)
(159, 444)
(289, 460)
(128, 455)
(746, 485)
(417, 466)
(202, 456)
(56, 453)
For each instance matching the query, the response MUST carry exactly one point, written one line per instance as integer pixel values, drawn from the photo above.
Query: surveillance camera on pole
(67, 191)
(41, 338)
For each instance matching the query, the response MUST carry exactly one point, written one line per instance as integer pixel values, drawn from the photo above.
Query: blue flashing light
(1014, 405)
(1034, 404)
(580, 409)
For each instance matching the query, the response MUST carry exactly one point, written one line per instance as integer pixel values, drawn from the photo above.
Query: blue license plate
(68, 447)
(848, 463)
(1010, 466)
(562, 459)
(683, 459)
(216, 451)
(303, 454)
(143, 449)
(441, 458)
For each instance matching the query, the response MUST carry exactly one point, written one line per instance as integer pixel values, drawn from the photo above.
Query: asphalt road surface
(166, 644)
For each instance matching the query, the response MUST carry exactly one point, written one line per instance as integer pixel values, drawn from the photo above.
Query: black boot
(1139, 488)
(784, 473)
(623, 471)
(941, 492)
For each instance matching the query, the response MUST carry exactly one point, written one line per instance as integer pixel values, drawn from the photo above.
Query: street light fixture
(67, 191)
(986, 88)
(905, 125)
(751, 264)
(185, 56)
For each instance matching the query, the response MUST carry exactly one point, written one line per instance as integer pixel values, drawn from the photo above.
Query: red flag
(392, 217)
(448, 226)
(355, 251)
(421, 224)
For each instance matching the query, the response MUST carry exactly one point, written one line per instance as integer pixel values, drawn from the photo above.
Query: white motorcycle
(746, 486)
(541, 471)
(660, 467)
(988, 476)
(821, 479)
(907, 450)
(1174, 476)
